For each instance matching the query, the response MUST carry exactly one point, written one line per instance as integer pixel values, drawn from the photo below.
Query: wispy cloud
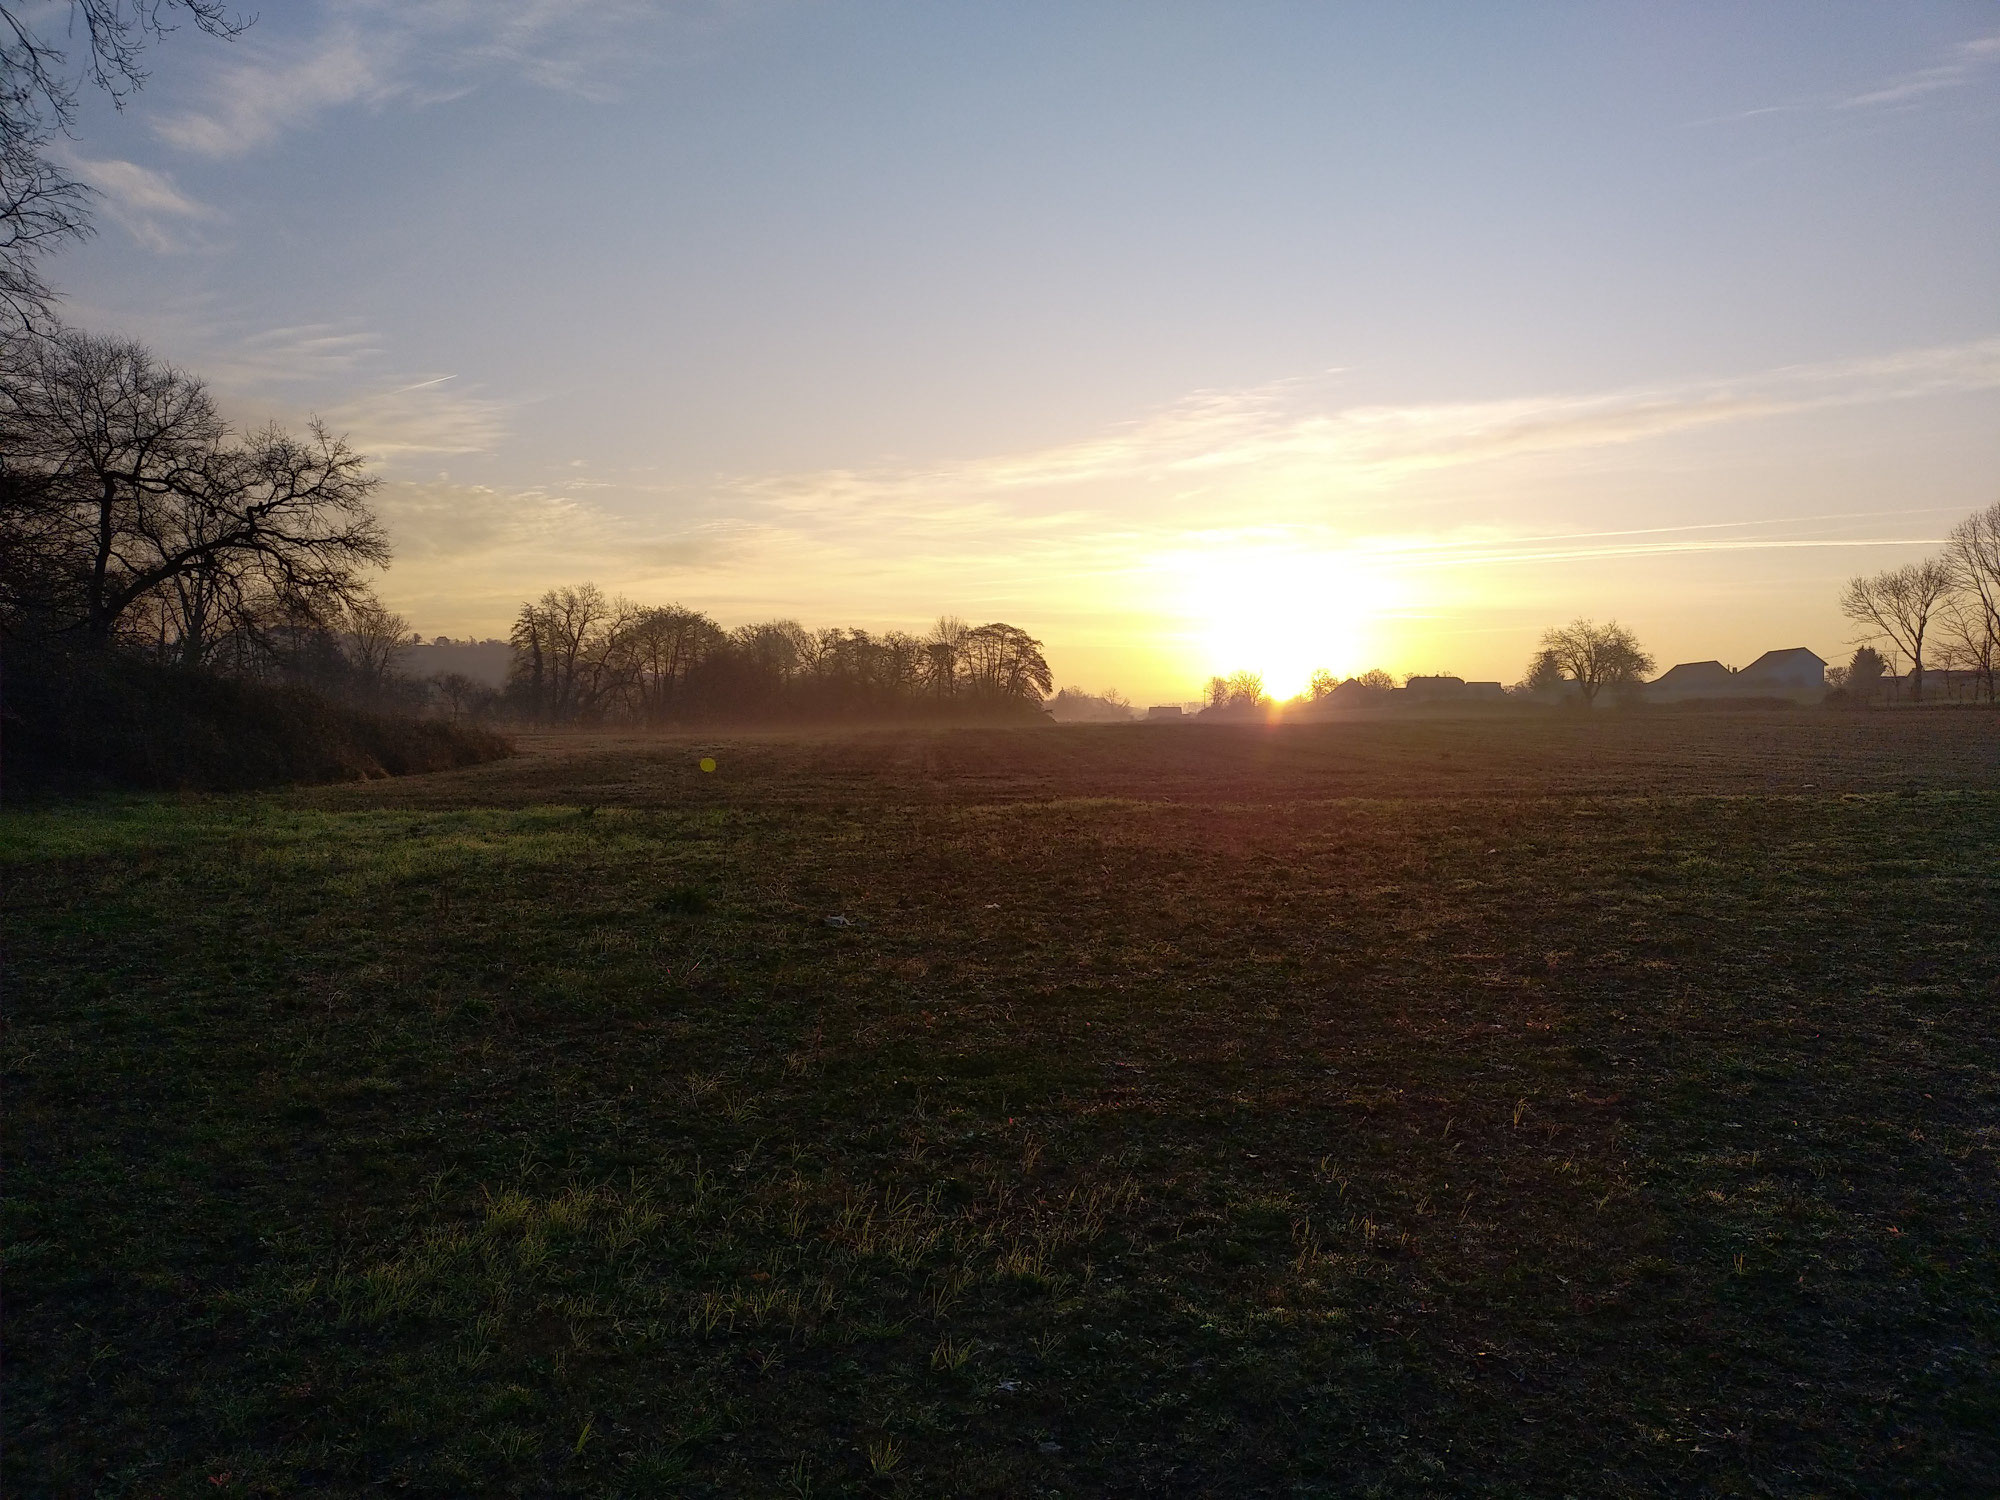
(1278, 447)
(1967, 62)
(466, 554)
(427, 416)
(369, 53)
(147, 205)
(1274, 470)
(291, 355)
(252, 100)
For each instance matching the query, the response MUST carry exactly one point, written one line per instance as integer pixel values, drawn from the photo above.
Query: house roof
(1692, 671)
(1791, 656)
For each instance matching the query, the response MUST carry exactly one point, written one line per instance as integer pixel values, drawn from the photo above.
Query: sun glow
(1280, 612)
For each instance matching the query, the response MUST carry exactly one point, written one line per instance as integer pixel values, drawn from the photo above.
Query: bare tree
(458, 693)
(1593, 656)
(41, 205)
(1246, 689)
(1972, 554)
(120, 482)
(666, 646)
(1897, 605)
(942, 650)
(1003, 663)
(375, 639)
(1968, 642)
(554, 639)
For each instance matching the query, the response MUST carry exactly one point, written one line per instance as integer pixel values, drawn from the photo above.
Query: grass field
(1513, 1107)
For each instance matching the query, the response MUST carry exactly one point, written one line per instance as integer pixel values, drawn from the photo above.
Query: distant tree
(375, 642)
(1375, 680)
(1545, 673)
(41, 204)
(124, 496)
(1246, 689)
(1897, 605)
(1969, 641)
(458, 693)
(665, 647)
(942, 649)
(1075, 706)
(579, 655)
(554, 640)
(1972, 555)
(1865, 672)
(1321, 686)
(1216, 693)
(1003, 664)
(1593, 656)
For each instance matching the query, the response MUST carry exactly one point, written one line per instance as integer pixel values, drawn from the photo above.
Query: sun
(1281, 612)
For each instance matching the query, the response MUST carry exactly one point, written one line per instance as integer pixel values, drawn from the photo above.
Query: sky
(1190, 338)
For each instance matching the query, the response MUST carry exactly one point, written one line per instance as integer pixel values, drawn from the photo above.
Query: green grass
(1286, 1114)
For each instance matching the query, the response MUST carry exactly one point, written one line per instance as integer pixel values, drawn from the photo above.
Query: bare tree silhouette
(1592, 656)
(41, 205)
(1972, 556)
(1897, 605)
(120, 485)
(942, 650)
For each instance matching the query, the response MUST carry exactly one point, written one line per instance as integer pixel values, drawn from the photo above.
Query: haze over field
(1188, 338)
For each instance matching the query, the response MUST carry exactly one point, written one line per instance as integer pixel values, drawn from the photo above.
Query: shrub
(82, 721)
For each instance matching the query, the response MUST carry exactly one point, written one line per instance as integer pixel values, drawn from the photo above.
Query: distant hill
(482, 661)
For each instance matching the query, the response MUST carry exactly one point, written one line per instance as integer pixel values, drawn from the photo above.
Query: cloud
(145, 203)
(371, 53)
(467, 555)
(253, 100)
(1082, 535)
(1964, 65)
(427, 416)
(1270, 443)
(1967, 61)
(291, 355)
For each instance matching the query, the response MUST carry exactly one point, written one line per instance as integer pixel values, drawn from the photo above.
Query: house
(1167, 711)
(1354, 693)
(1451, 690)
(1793, 672)
(1782, 673)
(1941, 685)
(1693, 679)
(1433, 689)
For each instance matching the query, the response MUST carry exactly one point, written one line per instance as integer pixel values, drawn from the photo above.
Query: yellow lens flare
(1280, 612)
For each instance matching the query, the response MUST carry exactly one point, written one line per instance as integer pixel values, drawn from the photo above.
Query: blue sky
(1189, 337)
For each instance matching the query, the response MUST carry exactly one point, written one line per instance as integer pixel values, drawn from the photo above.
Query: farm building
(1428, 689)
(1792, 670)
(1693, 679)
(1451, 690)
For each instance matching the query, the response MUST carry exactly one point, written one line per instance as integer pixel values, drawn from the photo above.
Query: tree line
(582, 657)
